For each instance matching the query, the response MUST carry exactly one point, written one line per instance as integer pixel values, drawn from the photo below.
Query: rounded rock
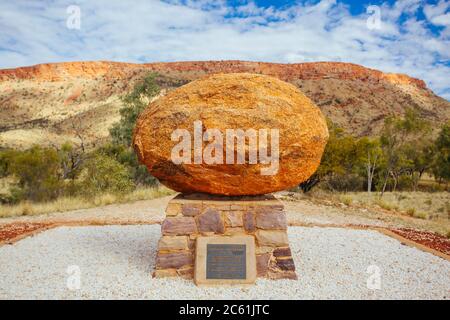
(232, 101)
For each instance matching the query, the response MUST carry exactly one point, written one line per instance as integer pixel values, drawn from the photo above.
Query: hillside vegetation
(52, 104)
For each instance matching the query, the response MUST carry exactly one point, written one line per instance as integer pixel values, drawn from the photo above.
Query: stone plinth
(191, 216)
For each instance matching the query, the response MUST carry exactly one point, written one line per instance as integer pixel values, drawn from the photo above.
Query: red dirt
(429, 239)
(11, 231)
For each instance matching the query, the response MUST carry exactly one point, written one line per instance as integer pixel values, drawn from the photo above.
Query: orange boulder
(231, 134)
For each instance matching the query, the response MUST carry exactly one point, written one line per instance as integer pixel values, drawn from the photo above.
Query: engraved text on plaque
(226, 261)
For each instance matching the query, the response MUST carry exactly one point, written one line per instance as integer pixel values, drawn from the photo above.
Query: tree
(339, 164)
(38, 172)
(371, 152)
(397, 137)
(134, 103)
(441, 167)
(6, 157)
(121, 133)
(71, 159)
(104, 174)
(128, 158)
(421, 156)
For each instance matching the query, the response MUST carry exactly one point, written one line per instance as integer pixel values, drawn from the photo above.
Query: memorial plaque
(225, 260)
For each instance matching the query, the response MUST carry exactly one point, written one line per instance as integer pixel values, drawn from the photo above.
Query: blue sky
(408, 36)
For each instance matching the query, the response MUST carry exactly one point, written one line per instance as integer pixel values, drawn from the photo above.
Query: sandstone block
(272, 238)
(282, 252)
(249, 221)
(261, 249)
(179, 226)
(233, 219)
(262, 264)
(165, 273)
(191, 210)
(211, 221)
(282, 275)
(235, 230)
(173, 209)
(173, 260)
(271, 220)
(173, 243)
(274, 207)
(186, 273)
(286, 264)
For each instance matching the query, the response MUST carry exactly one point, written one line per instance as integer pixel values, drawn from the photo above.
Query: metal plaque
(226, 261)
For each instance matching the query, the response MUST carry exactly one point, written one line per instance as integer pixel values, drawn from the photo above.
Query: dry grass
(422, 205)
(429, 211)
(74, 203)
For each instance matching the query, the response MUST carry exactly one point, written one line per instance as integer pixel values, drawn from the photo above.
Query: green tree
(398, 136)
(127, 157)
(104, 174)
(420, 155)
(38, 172)
(339, 164)
(134, 103)
(71, 160)
(441, 167)
(6, 157)
(371, 157)
(121, 133)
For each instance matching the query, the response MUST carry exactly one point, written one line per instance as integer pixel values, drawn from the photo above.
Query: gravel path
(116, 262)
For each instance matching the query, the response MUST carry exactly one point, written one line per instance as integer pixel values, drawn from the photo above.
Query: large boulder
(168, 136)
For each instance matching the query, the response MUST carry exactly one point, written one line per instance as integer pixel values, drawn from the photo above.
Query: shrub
(37, 171)
(121, 132)
(411, 212)
(128, 158)
(347, 200)
(421, 215)
(347, 182)
(384, 205)
(103, 174)
(134, 103)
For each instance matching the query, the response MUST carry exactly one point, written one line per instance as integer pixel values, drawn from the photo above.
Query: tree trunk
(395, 182)
(385, 183)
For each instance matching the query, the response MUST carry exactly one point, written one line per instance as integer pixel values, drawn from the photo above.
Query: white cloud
(437, 14)
(145, 31)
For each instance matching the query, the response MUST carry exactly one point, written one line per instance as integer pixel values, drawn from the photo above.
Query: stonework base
(191, 216)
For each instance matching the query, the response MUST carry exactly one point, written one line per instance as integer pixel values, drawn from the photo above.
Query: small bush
(405, 183)
(384, 205)
(347, 200)
(401, 197)
(349, 182)
(421, 215)
(37, 170)
(105, 175)
(411, 211)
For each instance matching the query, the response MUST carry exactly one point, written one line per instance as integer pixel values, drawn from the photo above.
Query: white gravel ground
(116, 262)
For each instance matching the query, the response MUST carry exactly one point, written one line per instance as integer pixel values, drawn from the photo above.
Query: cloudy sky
(408, 36)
